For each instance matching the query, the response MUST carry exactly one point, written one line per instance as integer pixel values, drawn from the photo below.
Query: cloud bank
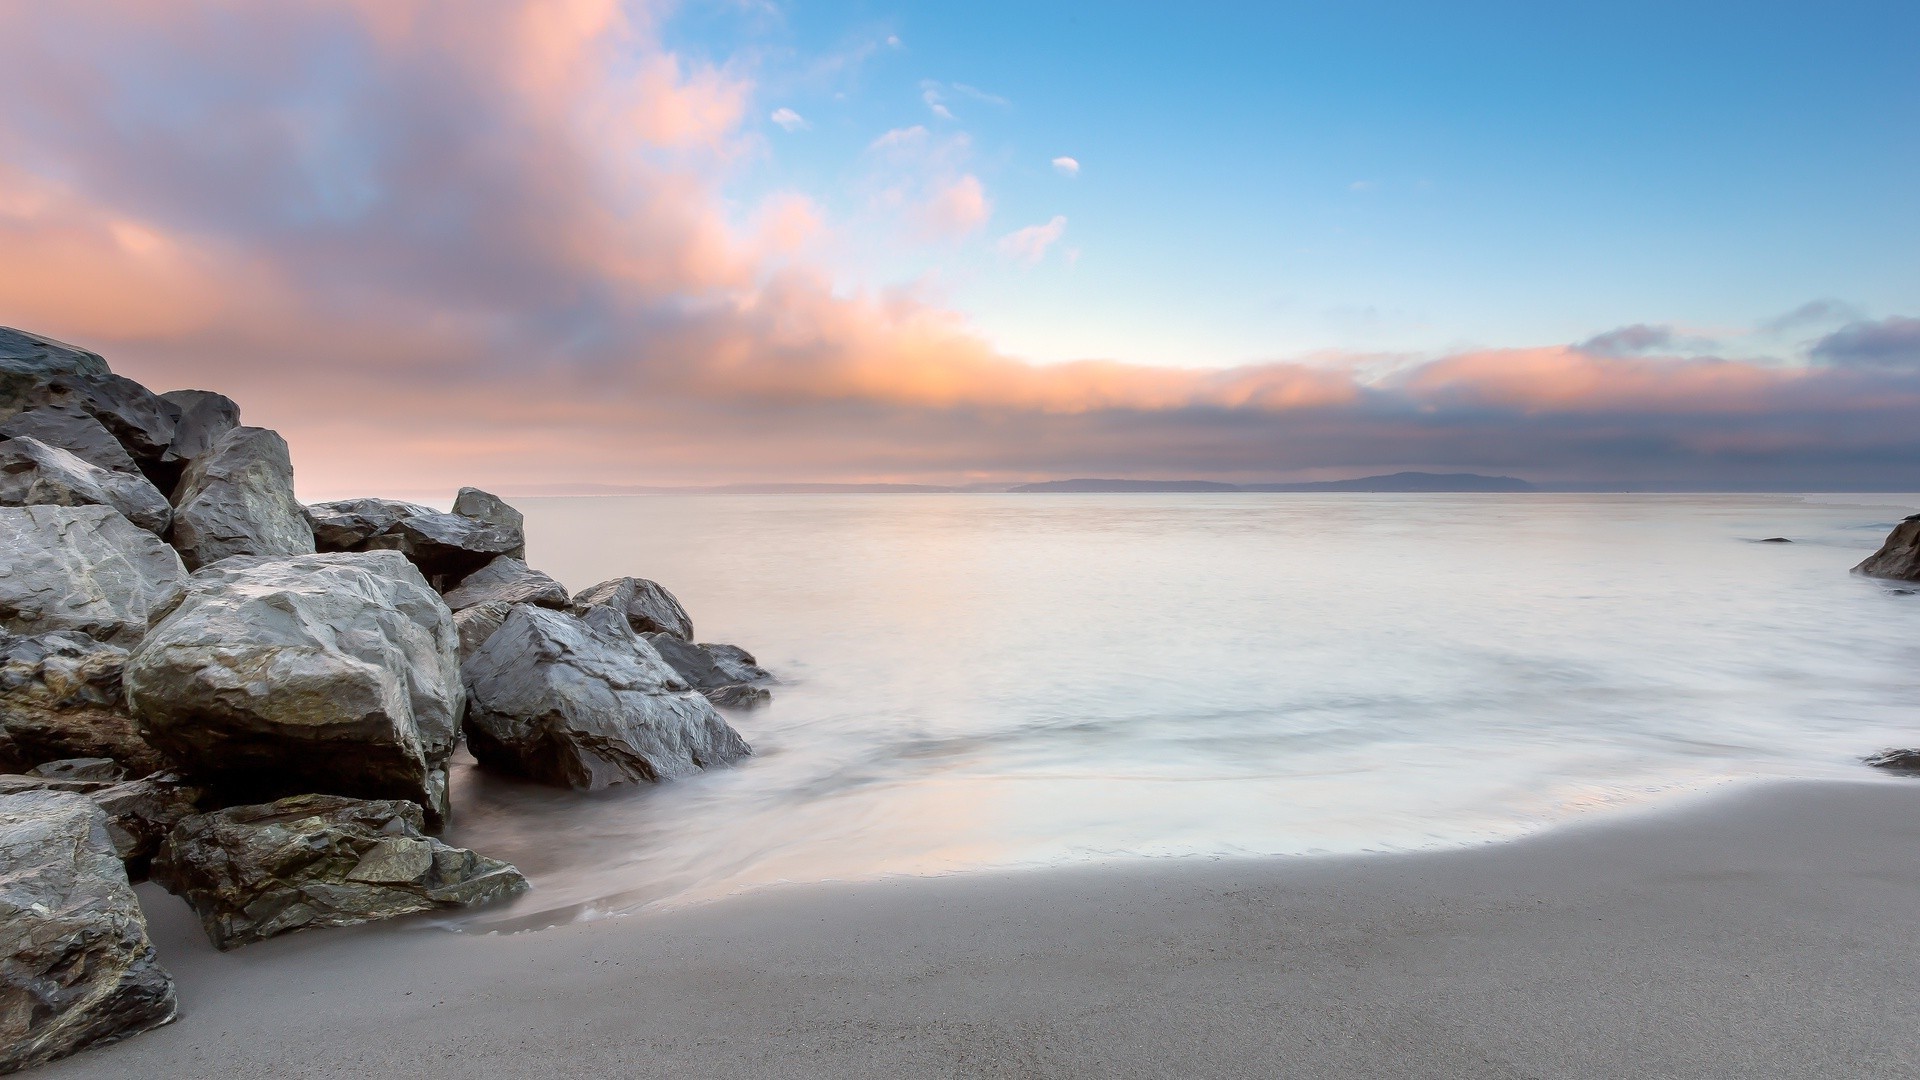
(491, 241)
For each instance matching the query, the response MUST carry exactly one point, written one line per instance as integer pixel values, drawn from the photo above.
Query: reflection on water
(1012, 680)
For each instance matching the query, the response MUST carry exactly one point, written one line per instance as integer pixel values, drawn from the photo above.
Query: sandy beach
(1764, 930)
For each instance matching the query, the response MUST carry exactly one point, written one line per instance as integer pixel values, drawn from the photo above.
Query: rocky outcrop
(493, 510)
(84, 568)
(78, 968)
(205, 417)
(251, 872)
(140, 813)
(647, 605)
(584, 703)
(507, 580)
(33, 473)
(348, 524)
(1899, 557)
(75, 432)
(726, 674)
(61, 697)
(238, 500)
(336, 673)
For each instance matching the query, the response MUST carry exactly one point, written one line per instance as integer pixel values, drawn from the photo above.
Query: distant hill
(1397, 482)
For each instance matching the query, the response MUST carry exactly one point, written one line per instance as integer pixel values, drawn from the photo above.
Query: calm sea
(998, 681)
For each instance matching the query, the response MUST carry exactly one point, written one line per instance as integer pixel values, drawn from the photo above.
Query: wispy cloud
(1066, 166)
(980, 95)
(1889, 343)
(1030, 244)
(790, 120)
(936, 103)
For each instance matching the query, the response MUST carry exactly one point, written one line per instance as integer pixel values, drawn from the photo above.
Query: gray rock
(347, 524)
(28, 362)
(204, 418)
(1900, 761)
(507, 579)
(647, 605)
(1899, 557)
(738, 696)
(448, 547)
(142, 420)
(73, 431)
(78, 969)
(61, 698)
(251, 872)
(726, 674)
(140, 813)
(35, 474)
(84, 568)
(490, 508)
(102, 769)
(477, 623)
(238, 500)
(336, 673)
(585, 703)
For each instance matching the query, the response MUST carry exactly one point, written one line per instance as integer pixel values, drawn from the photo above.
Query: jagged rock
(477, 623)
(238, 500)
(1899, 557)
(448, 547)
(647, 605)
(142, 420)
(101, 769)
(507, 579)
(60, 697)
(490, 508)
(348, 523)
(584, 703)
(33, 473)
(78, 968)
(1903, 761)
(75, 432)
(251, 872)
(205, 417)
(724, 673)
(336, 673)
(140, 812)
(28, 362)
(84, 568)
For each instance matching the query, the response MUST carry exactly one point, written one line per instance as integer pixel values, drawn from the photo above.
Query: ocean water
(977, 682)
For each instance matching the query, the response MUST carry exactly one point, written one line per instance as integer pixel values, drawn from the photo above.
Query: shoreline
(1761, 929)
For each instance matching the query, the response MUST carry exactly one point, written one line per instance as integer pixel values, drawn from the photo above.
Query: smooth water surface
(991, 681)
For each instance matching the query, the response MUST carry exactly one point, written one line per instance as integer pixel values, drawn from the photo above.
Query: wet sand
(1765, 931)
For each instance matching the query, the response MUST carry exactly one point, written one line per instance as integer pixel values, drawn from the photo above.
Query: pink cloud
(958, 208)
(1030, 244)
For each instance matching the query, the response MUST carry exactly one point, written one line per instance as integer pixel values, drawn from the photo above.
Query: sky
(528, 244)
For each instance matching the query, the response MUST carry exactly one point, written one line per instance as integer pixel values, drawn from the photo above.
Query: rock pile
(260, 699)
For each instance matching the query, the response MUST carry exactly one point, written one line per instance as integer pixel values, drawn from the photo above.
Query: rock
(140, 813)
(140, 419)
(33, 473)
(336, 673)
(448, 547)
(79, 970)
(648, 606)
(1776, 540)
(60, 697)
(75, 432)
(490, 508)
(205, 417)
(28, 362)
(104, 770)
(477, 623)
(1899, 557)
(238, 500)
(84, 568)
(347, 524)
(251, 872)
(1906, 761)
(724, 673)
(584, 703)
(507, 579)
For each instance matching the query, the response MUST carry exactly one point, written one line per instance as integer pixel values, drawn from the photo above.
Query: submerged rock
(84, 568)
(238, 500)
(75, 432)
(507, 579)
(585, 703)
(1899, 557)
(33, 473)
(78, 968)
(251, 872)
(647, 605)
(61, 698)
(738, 696)
(490, 508)
(726, 674)
(1907, 761)
(336, 673)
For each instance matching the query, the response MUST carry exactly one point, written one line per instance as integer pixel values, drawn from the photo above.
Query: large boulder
(336, 673)
(84, 568)
(251, 872)
(33, 473)
(727, 674)
(647, 606)
(238, 500)
(140, 419)
(140, 813)
(446, 547)
(347, 524)
(477, 623)
(61, 697)
(507, 579)
(28, 362)
(485, 506)
(78, 969)
(205, 417)
(75, 432)
(1899, 557)
(585, 703)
